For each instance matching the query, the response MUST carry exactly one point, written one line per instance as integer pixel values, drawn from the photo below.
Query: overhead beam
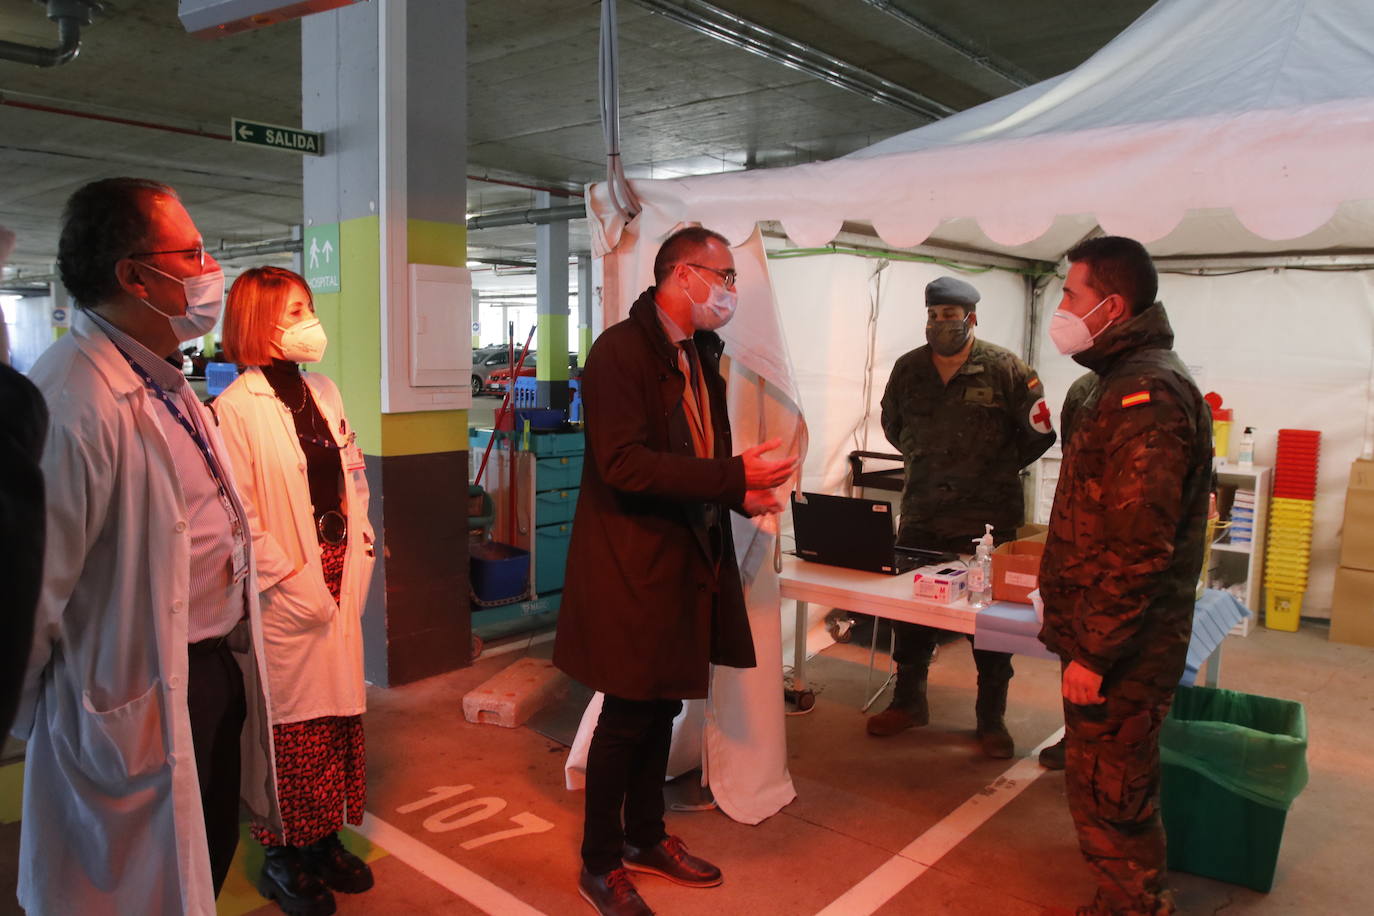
(725, 26)
(976, 56)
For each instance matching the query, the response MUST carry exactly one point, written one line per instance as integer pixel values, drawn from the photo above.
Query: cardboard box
(1352, 607)
(1357, 534)
(1016, 566)
(945, 583)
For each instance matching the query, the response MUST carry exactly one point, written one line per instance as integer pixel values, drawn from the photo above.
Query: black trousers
(916, 644)
(627, 762)
(218, 708)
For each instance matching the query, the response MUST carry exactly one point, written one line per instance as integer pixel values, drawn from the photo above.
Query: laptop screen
(843, 530)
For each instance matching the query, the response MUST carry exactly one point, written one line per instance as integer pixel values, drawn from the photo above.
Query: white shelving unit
(1241, 564)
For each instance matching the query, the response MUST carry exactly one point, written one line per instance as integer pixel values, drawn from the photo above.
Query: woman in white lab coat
(301, 477)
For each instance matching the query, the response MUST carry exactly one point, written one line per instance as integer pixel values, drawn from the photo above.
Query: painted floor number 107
(473, 811)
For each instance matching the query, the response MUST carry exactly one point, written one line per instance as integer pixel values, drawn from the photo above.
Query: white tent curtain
(1208, 128)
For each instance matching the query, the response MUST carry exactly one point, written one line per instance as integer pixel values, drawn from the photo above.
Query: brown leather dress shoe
(612, 894)
(670, 859)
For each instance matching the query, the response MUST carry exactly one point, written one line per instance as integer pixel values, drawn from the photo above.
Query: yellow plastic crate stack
(1290, 527)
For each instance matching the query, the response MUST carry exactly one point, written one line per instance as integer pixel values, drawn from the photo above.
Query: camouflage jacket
(1126, 534)
(964, 443)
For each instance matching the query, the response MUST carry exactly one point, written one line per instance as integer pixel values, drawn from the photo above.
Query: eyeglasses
(726, 276)
(198, 253)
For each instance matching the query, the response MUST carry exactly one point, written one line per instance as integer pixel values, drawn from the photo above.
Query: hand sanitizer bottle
(1247, 449)
(980, 571)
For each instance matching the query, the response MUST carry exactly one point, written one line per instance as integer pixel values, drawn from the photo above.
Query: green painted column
(551, 288)
(586, 299)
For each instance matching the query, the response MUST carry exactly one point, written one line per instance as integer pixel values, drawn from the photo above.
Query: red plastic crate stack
(1295, 469)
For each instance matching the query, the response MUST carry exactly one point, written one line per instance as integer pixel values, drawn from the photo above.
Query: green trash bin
(1231, 765)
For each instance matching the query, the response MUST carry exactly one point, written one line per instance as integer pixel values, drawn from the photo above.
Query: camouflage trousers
(1112, 780)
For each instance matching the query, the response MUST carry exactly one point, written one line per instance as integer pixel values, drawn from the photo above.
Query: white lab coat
(314, 646)
(112, 817)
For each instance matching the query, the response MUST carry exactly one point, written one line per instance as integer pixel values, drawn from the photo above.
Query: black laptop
(854, 533)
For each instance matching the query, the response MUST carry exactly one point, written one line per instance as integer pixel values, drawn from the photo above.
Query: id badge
(353, 456)
(240, 561)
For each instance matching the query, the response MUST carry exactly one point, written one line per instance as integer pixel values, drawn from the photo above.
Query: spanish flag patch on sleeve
(1131, 400)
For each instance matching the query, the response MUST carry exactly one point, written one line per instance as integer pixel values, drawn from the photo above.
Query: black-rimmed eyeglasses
(727, 276)
(198, 253)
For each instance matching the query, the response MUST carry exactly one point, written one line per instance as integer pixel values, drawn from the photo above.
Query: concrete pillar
(586, 302)
(551, 288)
(386, 82)
(476, 319)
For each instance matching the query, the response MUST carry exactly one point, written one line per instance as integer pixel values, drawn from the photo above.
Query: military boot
(1052, 757)
(908, 708)
(992, 731)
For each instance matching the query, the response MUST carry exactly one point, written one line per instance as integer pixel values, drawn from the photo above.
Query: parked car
(500, 379)
(485, 362)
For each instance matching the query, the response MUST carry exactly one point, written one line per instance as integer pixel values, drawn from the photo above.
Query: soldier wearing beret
(967, 416)
(1122, 561)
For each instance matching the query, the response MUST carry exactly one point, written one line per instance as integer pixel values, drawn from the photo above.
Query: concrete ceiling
(690, 104)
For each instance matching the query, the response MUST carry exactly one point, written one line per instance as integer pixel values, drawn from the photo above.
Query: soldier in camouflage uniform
(1122, 561)
(967, 416)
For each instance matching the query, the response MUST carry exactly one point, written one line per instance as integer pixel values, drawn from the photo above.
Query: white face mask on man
(304, 341)
(204, 302)
(1070, 332)
(718, 308)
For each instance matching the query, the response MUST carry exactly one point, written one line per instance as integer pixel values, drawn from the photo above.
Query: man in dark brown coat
(653, 595)
(1122, 561)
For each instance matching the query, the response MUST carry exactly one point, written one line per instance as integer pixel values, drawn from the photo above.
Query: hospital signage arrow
(272, 136)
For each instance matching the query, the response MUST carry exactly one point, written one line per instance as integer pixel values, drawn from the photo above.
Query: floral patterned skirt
(321, 778)
(321, 763)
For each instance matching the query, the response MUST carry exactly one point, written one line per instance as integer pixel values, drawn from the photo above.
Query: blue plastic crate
(551, 556)
(554, 506)
(219, 376)
(560, 472)
(526, 391)
(547, 444)
(499, 571)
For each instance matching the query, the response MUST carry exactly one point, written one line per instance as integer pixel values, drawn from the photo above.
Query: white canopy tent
(1233, 137)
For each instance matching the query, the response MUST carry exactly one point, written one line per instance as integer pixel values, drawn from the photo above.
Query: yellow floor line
(11, 792)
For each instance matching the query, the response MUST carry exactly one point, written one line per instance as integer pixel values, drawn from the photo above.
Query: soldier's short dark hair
(680, 246)
(1121, 266)
(103, 222)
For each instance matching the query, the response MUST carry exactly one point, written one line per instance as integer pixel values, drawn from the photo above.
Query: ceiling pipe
(979, 58)
(538, 216)
(70, 16)
(725, 26)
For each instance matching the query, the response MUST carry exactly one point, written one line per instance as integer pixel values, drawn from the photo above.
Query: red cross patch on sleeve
(1040, 417)
(1131, 400)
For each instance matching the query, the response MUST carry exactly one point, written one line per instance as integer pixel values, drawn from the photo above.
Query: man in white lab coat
(144, 700)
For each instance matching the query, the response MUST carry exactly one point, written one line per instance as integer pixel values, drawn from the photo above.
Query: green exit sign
(273, 136)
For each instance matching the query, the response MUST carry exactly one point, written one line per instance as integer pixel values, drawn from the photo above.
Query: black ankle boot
(285, 880)
(908, 709)
(338, 868)
(991, 706)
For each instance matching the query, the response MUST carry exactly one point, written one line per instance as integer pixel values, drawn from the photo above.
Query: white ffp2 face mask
(718, 308)
(304, 341)
(204, 302)
(1070, 332)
